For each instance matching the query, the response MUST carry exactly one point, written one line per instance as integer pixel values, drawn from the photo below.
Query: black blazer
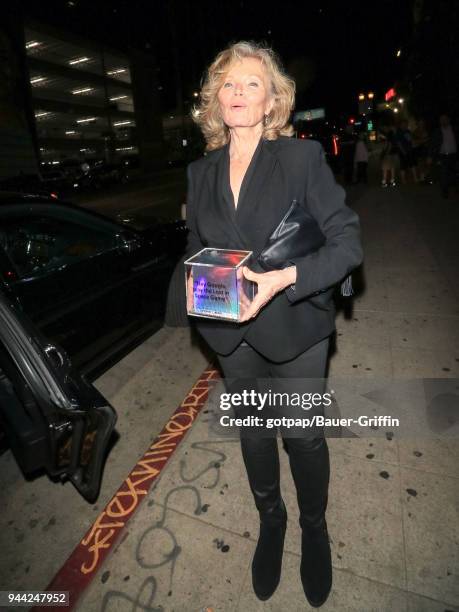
(280, 171)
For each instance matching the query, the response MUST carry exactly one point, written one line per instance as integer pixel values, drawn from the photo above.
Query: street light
(371, 95)
(400, 100)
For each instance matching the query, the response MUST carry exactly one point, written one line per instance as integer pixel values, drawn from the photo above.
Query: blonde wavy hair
(207, 113)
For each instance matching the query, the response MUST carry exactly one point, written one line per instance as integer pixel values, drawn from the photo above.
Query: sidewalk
(392, 510)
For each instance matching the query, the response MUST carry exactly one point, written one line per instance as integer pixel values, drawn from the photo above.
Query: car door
(152, 265)
(72, 274)
(53, 418)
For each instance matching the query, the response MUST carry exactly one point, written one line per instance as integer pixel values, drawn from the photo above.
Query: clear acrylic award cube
(215, 285)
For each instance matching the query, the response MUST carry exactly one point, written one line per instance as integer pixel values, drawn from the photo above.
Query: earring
(265, 120)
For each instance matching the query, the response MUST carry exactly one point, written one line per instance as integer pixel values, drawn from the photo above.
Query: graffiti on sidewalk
(90, 553)
(142, 601)
(136, 485)
(168, 551)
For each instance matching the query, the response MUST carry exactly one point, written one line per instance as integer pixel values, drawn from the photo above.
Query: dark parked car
(77, 291)
(52, 418)
(101, 175)
(54, 184)
(323, 133)
(131, 161)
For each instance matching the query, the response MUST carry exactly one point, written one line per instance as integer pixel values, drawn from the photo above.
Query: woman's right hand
(189, 294)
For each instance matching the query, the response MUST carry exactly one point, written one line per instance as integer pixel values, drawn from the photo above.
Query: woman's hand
(189, 294)
(269, 285)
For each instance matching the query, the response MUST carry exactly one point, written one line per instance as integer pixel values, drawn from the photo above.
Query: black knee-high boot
(310, 465)
(261, 458)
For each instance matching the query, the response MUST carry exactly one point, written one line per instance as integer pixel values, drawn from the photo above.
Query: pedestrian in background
(421, 150)
(389, 156)
(361, 159)
(404, 142)
(347, 146)
(444, 149)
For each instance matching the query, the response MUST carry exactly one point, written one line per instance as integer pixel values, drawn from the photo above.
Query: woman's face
(245, 95)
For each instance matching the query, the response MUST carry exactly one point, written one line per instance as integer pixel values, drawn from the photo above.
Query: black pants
(362, 172)
(348, 170)
(447, 173)
(308, 457)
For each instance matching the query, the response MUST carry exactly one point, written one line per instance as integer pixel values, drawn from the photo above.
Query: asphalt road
(158, 196)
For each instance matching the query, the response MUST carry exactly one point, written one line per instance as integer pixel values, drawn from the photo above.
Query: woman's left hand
(269, 285)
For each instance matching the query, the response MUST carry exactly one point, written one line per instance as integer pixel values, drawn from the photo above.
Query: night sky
(333, 49)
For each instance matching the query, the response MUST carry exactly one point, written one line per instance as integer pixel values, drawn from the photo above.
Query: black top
(280, 171)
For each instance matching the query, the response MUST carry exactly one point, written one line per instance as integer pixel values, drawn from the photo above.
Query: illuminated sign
(309, 115)
(390, 93)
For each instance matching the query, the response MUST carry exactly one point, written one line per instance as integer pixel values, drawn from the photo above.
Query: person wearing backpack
(404, 142)
(389, 155)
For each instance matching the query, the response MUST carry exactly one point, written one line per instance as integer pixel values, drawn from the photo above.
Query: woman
(389, 154)
(237, 194)
(420, 149)
(404, 140)
(361, 159)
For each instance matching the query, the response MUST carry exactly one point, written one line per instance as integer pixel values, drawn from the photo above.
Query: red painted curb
(87, 558)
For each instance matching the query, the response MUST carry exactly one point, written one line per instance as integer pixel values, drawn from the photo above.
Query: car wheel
(176, 315)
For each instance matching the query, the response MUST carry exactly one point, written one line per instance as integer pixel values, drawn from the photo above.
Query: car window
(37, 241)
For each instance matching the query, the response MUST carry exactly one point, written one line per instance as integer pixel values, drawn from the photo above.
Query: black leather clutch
(297, 235)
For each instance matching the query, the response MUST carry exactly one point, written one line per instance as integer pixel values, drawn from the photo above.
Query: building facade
(87, 102)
